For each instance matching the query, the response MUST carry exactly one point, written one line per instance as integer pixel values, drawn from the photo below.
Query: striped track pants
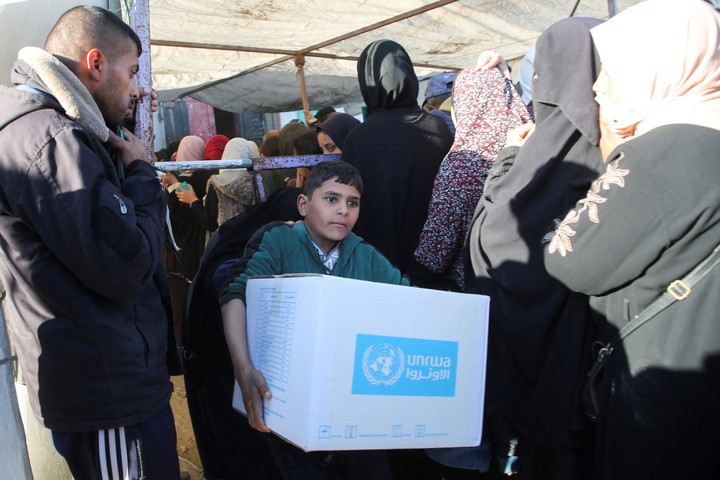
(138, 452)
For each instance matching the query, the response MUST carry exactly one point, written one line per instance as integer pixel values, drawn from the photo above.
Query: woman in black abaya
(538, 336)
(398, 151)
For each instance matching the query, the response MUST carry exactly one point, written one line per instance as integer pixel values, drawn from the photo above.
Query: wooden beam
(300, 64)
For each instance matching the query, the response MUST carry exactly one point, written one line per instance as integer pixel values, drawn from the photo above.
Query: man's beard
(115, 116)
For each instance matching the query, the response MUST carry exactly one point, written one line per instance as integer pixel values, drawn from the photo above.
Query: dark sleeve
(611, 235)
(261, 257)
(211, 210)
(503, 162)
(383, 271)
(108, 235)
(203, 215)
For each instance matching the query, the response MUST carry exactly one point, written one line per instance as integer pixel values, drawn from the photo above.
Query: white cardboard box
(361, 365)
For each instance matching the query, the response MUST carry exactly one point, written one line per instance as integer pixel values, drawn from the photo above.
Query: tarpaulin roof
(240, 55)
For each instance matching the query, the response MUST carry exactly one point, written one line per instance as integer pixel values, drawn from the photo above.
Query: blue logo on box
(404, 366)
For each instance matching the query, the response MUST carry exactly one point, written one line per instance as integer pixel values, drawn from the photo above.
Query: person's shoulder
(670, 141)
(275, 230)
(435, 124)
(21, 109)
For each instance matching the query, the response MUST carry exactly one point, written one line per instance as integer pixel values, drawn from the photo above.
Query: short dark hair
(341, 172)
(85, 27)
(323, 113)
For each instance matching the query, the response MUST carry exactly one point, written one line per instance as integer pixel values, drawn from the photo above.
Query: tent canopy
(241, 55)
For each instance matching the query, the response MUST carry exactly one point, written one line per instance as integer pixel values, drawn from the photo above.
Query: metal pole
(137, 15)
(256, 164)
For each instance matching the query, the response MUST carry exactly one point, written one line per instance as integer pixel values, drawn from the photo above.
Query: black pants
(295, 464)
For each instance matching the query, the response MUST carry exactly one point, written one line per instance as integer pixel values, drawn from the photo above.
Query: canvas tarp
(254, 42)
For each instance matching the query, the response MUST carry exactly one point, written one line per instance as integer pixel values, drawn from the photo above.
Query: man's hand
(130, 149)
(254, 391)
(518, 136)
(144, 91)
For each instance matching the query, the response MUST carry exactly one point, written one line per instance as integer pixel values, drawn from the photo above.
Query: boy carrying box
(323, 243)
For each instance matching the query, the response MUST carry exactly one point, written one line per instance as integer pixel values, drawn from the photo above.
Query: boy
(322, 243)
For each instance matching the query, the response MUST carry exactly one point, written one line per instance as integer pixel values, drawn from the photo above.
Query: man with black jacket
(82, 217)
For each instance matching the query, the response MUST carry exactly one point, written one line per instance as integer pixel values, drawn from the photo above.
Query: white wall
(26, 23)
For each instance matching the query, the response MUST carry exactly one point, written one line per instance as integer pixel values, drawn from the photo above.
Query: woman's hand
(489, 59)
(186, 196)
(518, 136)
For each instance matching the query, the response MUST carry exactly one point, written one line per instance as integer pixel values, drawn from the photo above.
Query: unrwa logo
(383, 364)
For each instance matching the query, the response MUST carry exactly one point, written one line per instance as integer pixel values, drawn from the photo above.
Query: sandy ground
(186, 446)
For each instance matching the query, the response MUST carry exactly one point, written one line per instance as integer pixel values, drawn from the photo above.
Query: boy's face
(331, 213)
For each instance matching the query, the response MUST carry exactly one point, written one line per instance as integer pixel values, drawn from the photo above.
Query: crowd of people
(581, 200)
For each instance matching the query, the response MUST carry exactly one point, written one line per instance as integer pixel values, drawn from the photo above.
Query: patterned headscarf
(486, 106)
(661, 65)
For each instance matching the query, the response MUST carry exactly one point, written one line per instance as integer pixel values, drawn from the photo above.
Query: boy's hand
(252, 383)
(254, 391)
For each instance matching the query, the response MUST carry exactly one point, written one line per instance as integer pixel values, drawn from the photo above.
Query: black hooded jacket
(80, 261)
(398, 151)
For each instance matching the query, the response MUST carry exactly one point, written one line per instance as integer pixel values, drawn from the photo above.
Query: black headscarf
(386, 75)
(338, 126)
(540, 329)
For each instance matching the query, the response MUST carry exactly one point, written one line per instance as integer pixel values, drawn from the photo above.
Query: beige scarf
(67, 88)
(662, 60)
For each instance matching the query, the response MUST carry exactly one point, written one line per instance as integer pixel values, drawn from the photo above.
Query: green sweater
(286, 249)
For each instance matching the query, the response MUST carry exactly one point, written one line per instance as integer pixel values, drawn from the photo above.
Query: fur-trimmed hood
(39, 69)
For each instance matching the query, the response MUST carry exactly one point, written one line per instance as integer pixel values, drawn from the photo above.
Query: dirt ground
(186, 445)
